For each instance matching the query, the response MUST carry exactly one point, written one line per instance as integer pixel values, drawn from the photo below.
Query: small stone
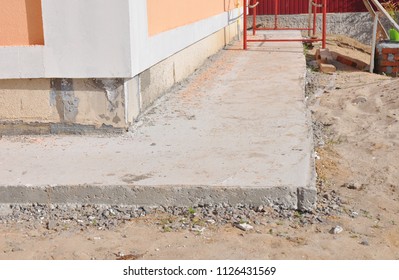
(353, 186)
(51, 225)
(354, 214)
(314, 64)
(198, 229)
(336, 230)
(147, 209)
(17, 249)
(365, 243)
(334, 206)
(244, 226)
(5, 210)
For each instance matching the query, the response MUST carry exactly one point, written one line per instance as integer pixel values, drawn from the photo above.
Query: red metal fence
(266, 7)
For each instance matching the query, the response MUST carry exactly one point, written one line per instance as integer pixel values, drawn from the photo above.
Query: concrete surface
(237, 132)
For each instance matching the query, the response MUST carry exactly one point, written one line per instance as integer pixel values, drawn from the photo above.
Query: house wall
(104, 62)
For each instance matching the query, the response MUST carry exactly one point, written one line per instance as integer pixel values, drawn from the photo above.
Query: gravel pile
(63, 217)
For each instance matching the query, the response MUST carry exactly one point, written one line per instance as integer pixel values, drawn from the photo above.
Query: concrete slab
(237, 132)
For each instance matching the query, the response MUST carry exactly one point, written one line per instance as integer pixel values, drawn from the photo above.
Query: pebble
(336, 230)
(365, 243)
(5, 210)
(198, 229)
(244, 227)
(51, 225)
(354, 214)
(17, 249)
(353, 186)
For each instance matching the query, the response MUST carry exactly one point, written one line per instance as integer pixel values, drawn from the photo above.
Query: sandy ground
(357, 135)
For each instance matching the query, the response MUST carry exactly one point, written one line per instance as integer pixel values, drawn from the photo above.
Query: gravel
(65, 216)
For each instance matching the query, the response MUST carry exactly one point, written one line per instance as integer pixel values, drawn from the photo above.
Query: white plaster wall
(86, 38)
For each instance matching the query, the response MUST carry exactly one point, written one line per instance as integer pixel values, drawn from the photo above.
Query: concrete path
(236, 132)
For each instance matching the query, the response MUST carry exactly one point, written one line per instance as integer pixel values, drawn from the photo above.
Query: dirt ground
(357, 136)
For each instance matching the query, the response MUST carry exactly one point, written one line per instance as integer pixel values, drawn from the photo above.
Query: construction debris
(324, 59)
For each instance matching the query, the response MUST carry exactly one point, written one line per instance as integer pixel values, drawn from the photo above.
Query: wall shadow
(35, 22)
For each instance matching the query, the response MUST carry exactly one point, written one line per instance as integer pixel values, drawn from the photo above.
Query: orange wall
(164, 15)
(21, 23)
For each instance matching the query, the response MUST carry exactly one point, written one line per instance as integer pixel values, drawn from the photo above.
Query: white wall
(86, 38)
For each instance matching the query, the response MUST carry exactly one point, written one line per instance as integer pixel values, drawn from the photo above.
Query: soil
(356, 129)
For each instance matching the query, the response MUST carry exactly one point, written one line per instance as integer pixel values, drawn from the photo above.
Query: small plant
(392, 8)
(298, 214)
(167, 229)
(191, 211)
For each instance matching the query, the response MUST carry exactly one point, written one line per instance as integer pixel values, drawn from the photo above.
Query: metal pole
(324, 24)
(373, 43)
(254, 19)
(310, 17)
(314, 18)
(245, 24)
(275, 13)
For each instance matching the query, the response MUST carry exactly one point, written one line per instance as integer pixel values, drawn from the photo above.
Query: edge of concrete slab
(301, 198)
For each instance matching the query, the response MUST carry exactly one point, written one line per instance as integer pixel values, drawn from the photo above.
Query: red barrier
(316, 4)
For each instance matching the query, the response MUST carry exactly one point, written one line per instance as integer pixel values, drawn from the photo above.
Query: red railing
(313, 8)
(267, 7)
